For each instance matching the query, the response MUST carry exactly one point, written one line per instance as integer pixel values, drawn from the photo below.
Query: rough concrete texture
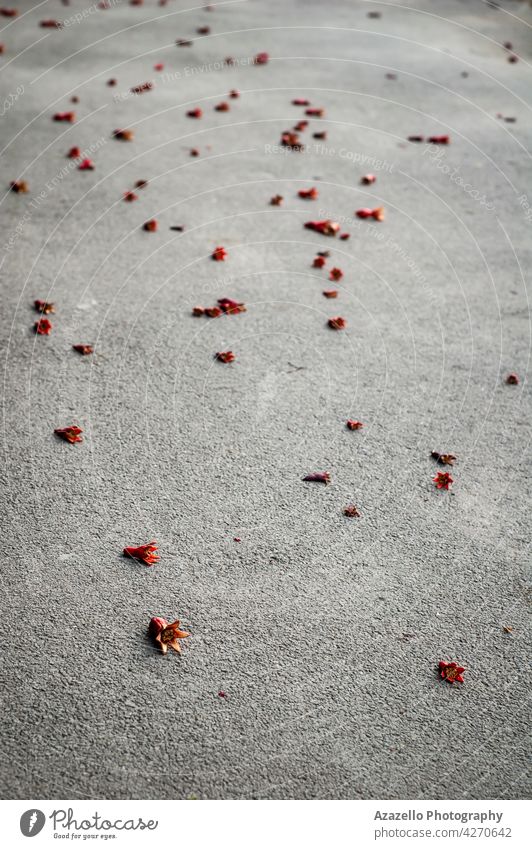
(324, 632)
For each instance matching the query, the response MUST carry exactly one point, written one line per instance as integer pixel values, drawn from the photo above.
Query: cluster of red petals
(337, 323)
(368, 179)
(276, 200)
(377, 214)
(151, 225)
(313, 112)
(318, 477)
(166, 634)
(352, 424)
(512, 379)
(145, 553)
(308, 194)
(74, 153)
(86, 165)
(69, 117)
(222, 107)
(140, 89)
(44, 307)
(351, 511)
(261, 58)
(195, 113)
(225, 305)
(443, 480)
(451, 672)
(124, 135)
(70, 434)
(327, 227)
(43, 327)
(443, 459)
(291, 140)
(84, 350)
(20, 187)
(336, 274)
(219, 254)
(225, 356)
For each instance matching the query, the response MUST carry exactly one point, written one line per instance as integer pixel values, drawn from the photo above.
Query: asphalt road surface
(311, 669)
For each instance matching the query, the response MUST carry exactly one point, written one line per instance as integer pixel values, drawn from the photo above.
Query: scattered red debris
(203, 30)
(183, 42)
(300, 101)
(314, 112)
(377, 214)
(140, 89)
(219, 254)
(144, 553)
(70, 434)
(124, 135)
(44, 307)
(2, 48)
(319, 262)
(318, 477)
(84, 350)
(512, 379)
(86, 165)
(330, 293)
(166, 634)
(222, 107)
(195, 113)
(51, 24)
(130, 196)
(194, 151)
(344, 236)
(322, 135)
(351, 511)
(336, 274)
(43, 327)
(229, 60)
(261, 59)
(151, 225)
(159, 66)
(416, 138)
(308, 194)
(230, 307)
(225, 356)
(8, 13)
(234, 93)
(443, 459)
(211, 312)
(20, 187)
(291, 140)
(141, 184)
(443, 480)
(179, 227)
(112, 81)
(352, 424)
(301, 126)
(451, 672)
(222, 694)
(439, 140)
(337, 323)
(276, 200)
(368, 179)
(74, 153)
(327, 227)
(513, 58)
(69, 117)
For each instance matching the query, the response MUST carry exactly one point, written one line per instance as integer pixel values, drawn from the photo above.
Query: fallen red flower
(351, 511)
(44, 307)
(222, 107)
(368, 179)
(315, 113)
(151, 225)
(166, 634)
(352, 424)
(331, 293)
(69, 117)
(70, 434)
(337, 323)
(9, 13)
(291, 140)
(84, 350)
(74, 153)
(443, 480)
(212, 312)
(219, 254)
(344, 236)
(443, 459)
(439, 140)
(195, 113)
(327, 227)
(130, 196)
(451, 672)
(124, 135)
(50, 24)
(43, 327)
(318, 477)
(276, 200)
(300, 126)
(336, 274)
(308, 194)
(86, 165)
(20, 187)
(144, 553)
(300, 101)
(416, 138)
(230, 307)
(261, 58)
(225, 356)
(512, 379)
(319, 262)
(234, 93)
(197, 311)
(194, 151)
(377, 214)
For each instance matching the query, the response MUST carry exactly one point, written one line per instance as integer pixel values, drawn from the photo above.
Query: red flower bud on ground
(229, 306)
(84, 350)
(313, 112)
(19, 187)
(70, 434)
(151, 225)
(308, 194)
(330, 293)
(143, 553)
(43, 327)
(512, 379)
(443, 459)
(368, 179)
(276, 200)
(44, 307)
(166, 634)
(319, 262)
(195, 113)
(222, 107)
(219, 254)
(74, 153)
(124, 135)
(291, 140)
(86, 165)
(261, 59)
(225, 356)
(130, 196)
(318, 477)
(327, 227)
(352, 424)
(351, 511)
(337, 323)
(300, 101)
(451, 672)
(336, 274)
(443, 480)
(69, 117)
(439, 140)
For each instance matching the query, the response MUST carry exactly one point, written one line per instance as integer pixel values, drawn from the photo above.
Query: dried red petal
(308, 194)
(124, 135)
(221, 694)
(327, 227)
(319, 262)
(314, 112)
(439, 140)
(140, 89)
(195, 113)
(222, 107)
(443, 480)
(69, 117)
(151, 225)
(443, 459)
(451, 672)
(74, 153)
(130, 196)
(300, 101)
(330, 293)
(44, 307)
(261, 59)
(377, 214)
(219, 254)
(231, 307)
(512, 379)
(144, 553)
(276, 200)
(352, 424)
(20, 187)
(225, 356)
(43, 327)
(513, 58)
(351, 511)
(318, 477)
(336, 274)
(86, 165)
(70, 434)
(84, 350)
(368, 179)
(337, 323)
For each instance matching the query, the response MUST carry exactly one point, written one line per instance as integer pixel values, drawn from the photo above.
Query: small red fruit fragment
(43, 327)
(140, 89)
(336, 274)
(276, 200)
(443, 480)
(261, 58)
(124, 135)
(219, 254)
(313, 112)
(319, 262)
(222, 107)
(512, 379)
(20, 187)
(144, 553)
(351, 511)
(443, 459)
(195, 113)
(70, 434)
(230, 307)
(439, 140)
(44, 307)
(74, 99)
(318, 477)
(130, 196)
(308, 194)
(327, 227)
(86, 165)
(84, 350)
(225, 356)
(352, 424)
(69, 117)
(151, 225)
(337, 323)
(416, 138)
(368, 179)
(234, 93)
(300, 101)
(331, 293)
(74, 153)
(451, 672)
(291, 140)
(166, 634)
